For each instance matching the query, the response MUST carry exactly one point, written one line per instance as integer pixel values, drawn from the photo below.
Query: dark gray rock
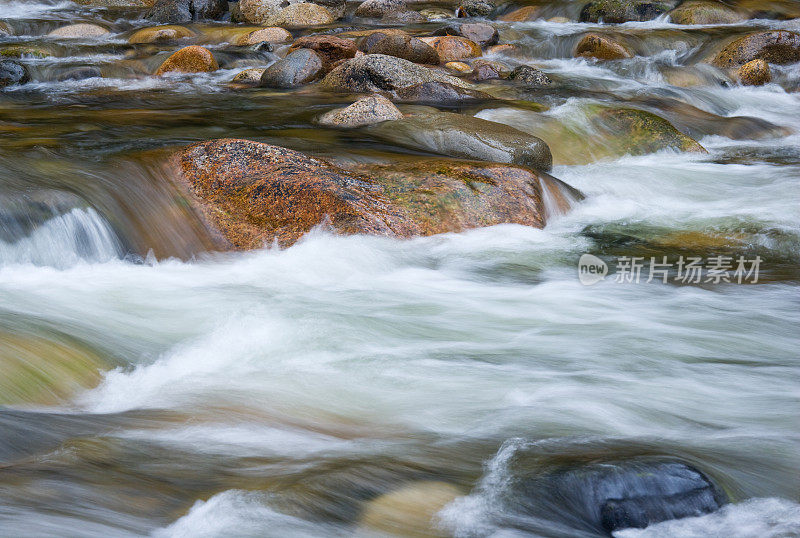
(475, 8)
(440, 93)
(299, 67)
(618, 11)
(12, 72)
(178, 11)
(530, 76)
(456, 135)
(381, 73)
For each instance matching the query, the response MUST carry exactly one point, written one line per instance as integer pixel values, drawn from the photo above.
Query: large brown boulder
(704, 12)
(406, 47)
(777, 47)
(329, 48)
(453, 48)
(252, 194)
(601, 48)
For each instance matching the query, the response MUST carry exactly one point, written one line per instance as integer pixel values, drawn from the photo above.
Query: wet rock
(703, 12)
(273, 34)
(160, 34)
(192, 59)
(303, 15)
(406, 47)
(436, 13)
(777, 47)
(75, 31)
(249, 76)
(330, 49)
(440, 93)
(457, 135)
(481, 33)
(618, 11)
(299, 67)
(408, 511)
(754, 73)
(375, 9)
(12, 72)
(177, 11)
(365, 111)
(483, 71)
(475, 8)
(601, 48)
(335, 7)
(453, 48)
(5, 29)
(523, 14)
(260, 11)
(404, 16)
(251, 194)
(375, 73)
(642, 132)
(458, 67)
(530, 76)
(117, 3)
(611, 496)
(80, 73)
(559, 20)
(501, 49)
(20, 51)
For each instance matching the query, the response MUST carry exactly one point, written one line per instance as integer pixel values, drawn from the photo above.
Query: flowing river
(152, 386)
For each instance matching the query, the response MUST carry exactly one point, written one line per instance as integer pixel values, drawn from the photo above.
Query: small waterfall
(557, 196)
(64, 240)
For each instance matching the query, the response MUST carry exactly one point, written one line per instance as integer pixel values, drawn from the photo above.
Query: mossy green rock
(637, 132)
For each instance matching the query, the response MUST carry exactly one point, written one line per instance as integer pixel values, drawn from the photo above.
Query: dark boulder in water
(610, 496)
(12, 72)
(177, 11)
(617, 11)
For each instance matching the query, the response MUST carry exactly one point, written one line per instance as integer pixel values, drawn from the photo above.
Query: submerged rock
(80, 73)
(192, 59)
(272, 34)
(754, 73)
(251, 194)
(365, 111)
(378, 73)
(249, 76)
(160, 34)
(704, 12)
(456, 135)
(601, 48)
(523, 14)
(618, 11)
(641, 132)
(12, 72)
(610, 496)
(408, 511)
(76, 31)
(299, 67)
(440, 93)
(777, 47)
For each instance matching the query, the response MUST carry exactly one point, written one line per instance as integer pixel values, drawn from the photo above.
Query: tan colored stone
(193, 59)
(754, 73)
(272, 34)
(160, 34)
(77, 31)
(601, 48)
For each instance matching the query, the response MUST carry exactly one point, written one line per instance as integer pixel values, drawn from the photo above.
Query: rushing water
(152, 387)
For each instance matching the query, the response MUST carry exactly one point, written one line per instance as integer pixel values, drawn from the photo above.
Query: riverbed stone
(329, 48)
(523, 14)
(601, 48)
(453, 48)
(440, 93)
(475, 8)
(249, 76)
(178, 11)
(77, 31)
(754, 73)
(403, 16)
(79, 73)
(704, 12)
(618, 11)
(639, 132)
(777, 47)
(192, 59)
(375, 9)
(12, 72)
(303, 15)
(373, 73)
(458, 135)
(409, 510)
(530, 76)
(260, 11)
(366, 111)
(160, 34)
(250, 194)
(299, 67)
(272, 34)
(406, 47)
